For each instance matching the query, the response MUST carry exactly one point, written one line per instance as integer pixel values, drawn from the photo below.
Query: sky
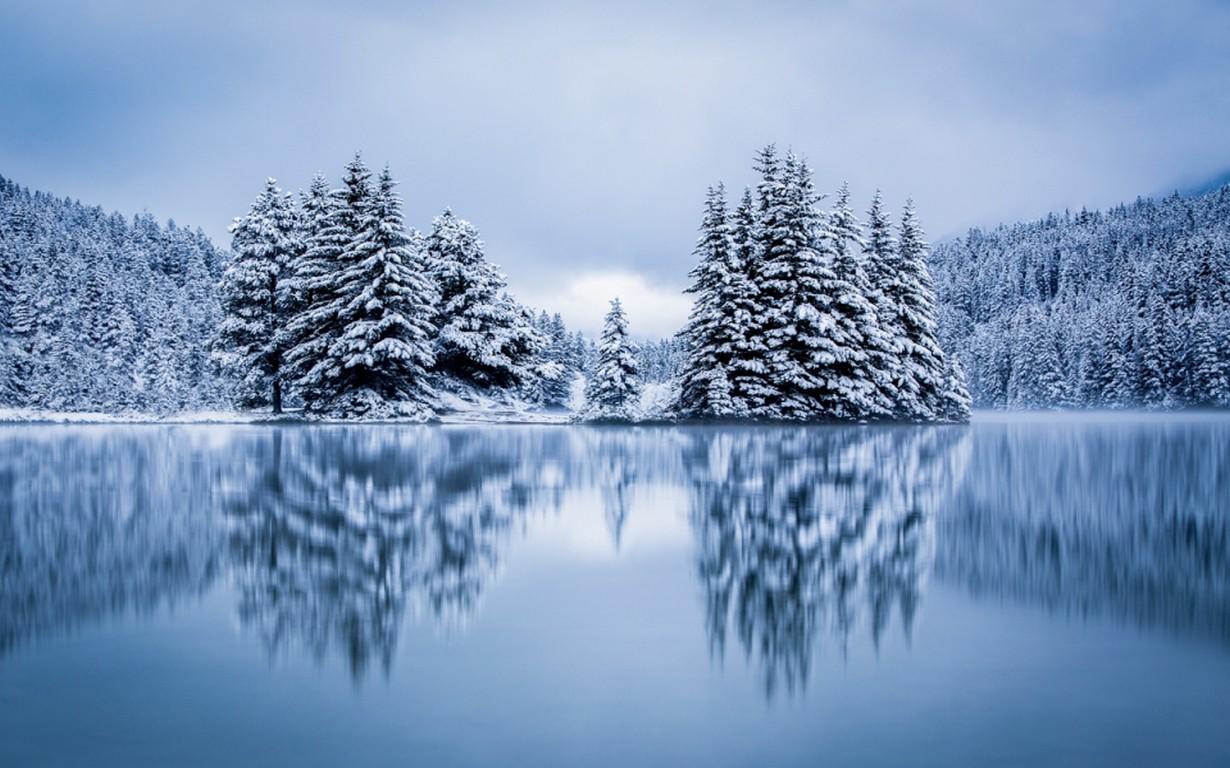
(580, 138)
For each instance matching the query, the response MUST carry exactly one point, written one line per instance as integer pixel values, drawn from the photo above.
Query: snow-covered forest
(1124, 308)
(99, 312)
(328, 302)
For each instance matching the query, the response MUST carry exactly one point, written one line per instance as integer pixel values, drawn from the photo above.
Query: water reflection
(1122, 519)
(803, 532)
(805, 539)
(333, 532)
(101, 523)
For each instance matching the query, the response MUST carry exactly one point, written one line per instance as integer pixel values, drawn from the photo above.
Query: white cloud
(654, 310)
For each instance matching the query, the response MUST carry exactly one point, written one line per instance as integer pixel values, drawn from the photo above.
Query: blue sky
(580, 138)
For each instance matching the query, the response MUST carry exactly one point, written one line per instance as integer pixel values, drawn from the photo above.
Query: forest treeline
(1124, 308)
(327, 301)
(103, 312)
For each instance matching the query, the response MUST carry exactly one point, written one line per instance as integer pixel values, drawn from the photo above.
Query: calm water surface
(1016, 592)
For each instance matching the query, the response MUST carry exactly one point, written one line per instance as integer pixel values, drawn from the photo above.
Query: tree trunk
(277, 394)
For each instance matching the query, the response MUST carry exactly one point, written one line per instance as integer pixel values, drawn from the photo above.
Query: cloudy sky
(580, 138)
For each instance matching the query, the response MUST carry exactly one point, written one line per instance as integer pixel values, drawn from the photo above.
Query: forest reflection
(805, 539)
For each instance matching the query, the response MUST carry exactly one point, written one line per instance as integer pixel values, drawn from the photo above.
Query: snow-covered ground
(460, 406)
(36, 416)
(475, 408)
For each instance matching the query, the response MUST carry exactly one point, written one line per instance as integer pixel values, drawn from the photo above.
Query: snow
(475, 407)
(37, 416)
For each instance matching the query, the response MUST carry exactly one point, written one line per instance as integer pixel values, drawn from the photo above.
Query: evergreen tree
(910, 290)
(333, 229)
(857, 379)
(1207, 385)
(1116, 293)
(484, 337)
(880, 249)
(251, 341)
(708, 334)
(378, 312)
(750, 388)
(559, 369)
(614, 392)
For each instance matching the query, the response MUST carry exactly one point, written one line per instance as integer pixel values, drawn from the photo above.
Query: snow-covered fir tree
(614, 390)
(909, 290)
(708, 334)
(320, 248)
(557, 367)
(748, 373)
(662, 360)
(854, 383)
(373, 309)
(251, 338)
(485, 338)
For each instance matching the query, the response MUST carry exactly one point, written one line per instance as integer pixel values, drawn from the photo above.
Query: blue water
(1023, 591)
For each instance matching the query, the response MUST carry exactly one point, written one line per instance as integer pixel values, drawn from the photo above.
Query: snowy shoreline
(490, 413)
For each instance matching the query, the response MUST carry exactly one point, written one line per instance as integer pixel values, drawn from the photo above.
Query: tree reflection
(1124, 519)
(84, 537)
(802, 531)
(337, 531)
(804, 536)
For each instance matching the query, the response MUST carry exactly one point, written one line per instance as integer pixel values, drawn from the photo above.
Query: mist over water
(460, 580)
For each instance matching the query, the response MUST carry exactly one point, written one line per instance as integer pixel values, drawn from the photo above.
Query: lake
(1027, 590)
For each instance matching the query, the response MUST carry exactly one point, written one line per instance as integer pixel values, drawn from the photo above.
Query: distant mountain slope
(1128, 307)
(101, 312)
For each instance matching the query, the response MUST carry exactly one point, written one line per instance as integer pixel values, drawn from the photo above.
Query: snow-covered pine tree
(806, 344)
(880, 249)
(331, 226)
(312, 264)
(558, 369)
(917, 306)
(1208, 384)
(773, 326)
(954, 405)
(381, 305)
(708, 333)
(614, 391)
(485, 338)
(908, 302)
(856, 380)
(750, 388)
(250, 345)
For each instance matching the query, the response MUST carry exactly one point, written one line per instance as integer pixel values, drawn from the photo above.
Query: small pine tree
(556, 387)
(614, 391)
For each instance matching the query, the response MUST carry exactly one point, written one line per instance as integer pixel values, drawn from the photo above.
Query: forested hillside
(103, 312)
(1126, 308)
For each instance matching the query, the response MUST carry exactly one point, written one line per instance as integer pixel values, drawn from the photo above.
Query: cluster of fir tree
(801, 314)
(1126, 308)
(661, 360)
(562, 358)
(333, 301)
(99, 312)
